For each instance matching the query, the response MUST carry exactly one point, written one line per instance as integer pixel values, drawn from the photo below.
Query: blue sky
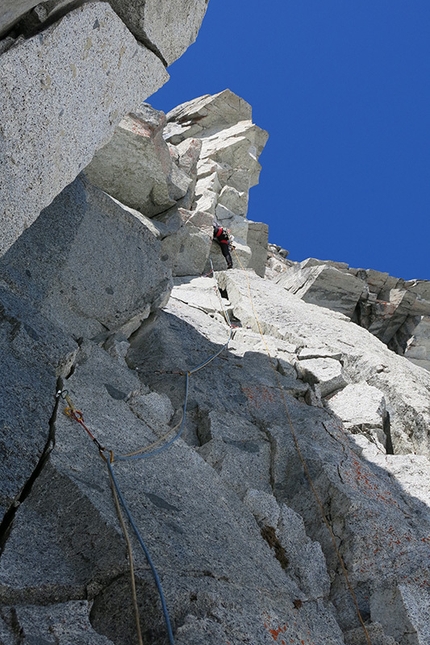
(343, 88)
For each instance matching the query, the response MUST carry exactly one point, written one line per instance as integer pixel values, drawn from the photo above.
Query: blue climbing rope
(146, 552)
(77, 416)
(166, 445)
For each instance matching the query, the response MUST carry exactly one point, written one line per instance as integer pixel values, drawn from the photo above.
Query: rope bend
(108, 457)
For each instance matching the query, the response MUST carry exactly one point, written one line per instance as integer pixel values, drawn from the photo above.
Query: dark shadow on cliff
(363, 503)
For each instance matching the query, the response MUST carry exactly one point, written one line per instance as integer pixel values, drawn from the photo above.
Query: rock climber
(223, 239)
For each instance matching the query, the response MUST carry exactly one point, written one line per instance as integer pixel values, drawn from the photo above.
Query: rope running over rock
(145, 452)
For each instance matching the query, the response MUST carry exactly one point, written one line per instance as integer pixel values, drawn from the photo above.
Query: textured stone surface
(364, 503)
(232, 570)
(283, 478)
(323, 285)
(257, 239)
(405, 386)
(220, 561)
(226, 168)
(418, 343)
(361, 408)
(60, 624)
(200, 293)
(135, 166)
(171, 27)
(167, 31)
(325, 373)
(206, 114)
(239, 146)
(79, 77)
(187, 250)
(88, 264)
(359, 404)
(395, 311)
(33, 353)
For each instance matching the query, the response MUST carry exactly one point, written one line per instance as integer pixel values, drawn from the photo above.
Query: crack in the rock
(272, 467)
(268, 533)
(8, 518)
(30, 24)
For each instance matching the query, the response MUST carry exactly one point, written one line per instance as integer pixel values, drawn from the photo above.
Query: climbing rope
(303, 461)
(130, 558)
(145, 452)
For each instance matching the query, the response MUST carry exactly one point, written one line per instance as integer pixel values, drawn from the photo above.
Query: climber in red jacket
(223, 239)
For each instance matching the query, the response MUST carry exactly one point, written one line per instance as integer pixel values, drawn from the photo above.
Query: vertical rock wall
(201, 175)
(304, 441)
(67, 82)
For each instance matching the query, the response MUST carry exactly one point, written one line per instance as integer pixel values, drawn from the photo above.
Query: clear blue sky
(343, 88)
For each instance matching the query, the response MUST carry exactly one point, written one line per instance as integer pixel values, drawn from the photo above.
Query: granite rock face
(70, 263)
(135, 166)
(242, 542)
(227, 166)
(394, 310)
(169, 28)
(272, 452)
(34, 353)
(187, 170)
(90, 71)
(70, 71)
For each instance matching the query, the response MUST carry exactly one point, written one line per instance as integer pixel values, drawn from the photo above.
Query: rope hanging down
(142, 453)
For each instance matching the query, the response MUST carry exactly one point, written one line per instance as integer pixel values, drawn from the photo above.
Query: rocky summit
(188, 454)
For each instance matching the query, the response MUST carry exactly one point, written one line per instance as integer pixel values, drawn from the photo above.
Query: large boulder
(168, 28)
(76, 80)
(323, 284)
(135, 166)
(89, 264)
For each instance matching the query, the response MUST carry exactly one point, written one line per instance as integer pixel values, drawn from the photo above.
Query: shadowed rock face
(294, 506)
(70, 264)
(234, 528)
(11, 10)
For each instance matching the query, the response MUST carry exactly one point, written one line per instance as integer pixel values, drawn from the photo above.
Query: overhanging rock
(135, 166)
(88, 264)
(76, 80)
(170, 27)
(324, 285)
